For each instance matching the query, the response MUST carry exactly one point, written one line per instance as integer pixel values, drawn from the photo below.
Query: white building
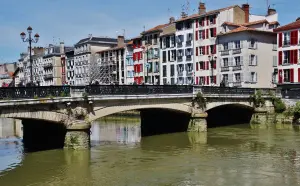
(168, 56)
(70, 67)
(84, 56)
(129, 64)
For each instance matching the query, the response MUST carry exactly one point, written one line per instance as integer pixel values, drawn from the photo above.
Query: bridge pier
(78, 136)
(198, 122)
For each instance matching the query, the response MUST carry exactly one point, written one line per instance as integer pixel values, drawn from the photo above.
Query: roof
(130, 42)
(194, 16)
(230, 24)
(243, 29)
(98, 39)
(138, 37)
(290, 26)
(110, 49)
(274, 23)
(168, 30)
(255, 22)
(154, 29)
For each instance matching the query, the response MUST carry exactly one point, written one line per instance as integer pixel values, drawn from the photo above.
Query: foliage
(50, 96)
(288, 112)
(85, 96)
(63, 94)
(279, 106)
(199, 101)
(257, 100)
(35, 97)
(296, 110)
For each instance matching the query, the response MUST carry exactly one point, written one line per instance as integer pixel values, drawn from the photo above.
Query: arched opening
(155, 121)
(229, 114)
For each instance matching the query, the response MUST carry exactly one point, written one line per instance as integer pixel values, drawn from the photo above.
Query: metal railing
(13, 93)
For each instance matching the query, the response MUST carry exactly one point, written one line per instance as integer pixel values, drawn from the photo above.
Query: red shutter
(215, 32)
(197, 80)
(280, 39)
(133, 56)
(207, 50)
(204, 52)
(197, 35)
(298, 75)
(215, 20)
(207, 36)
(280, 58)
(197, 51)
(292, 75)
(280, 76)
(207, 65)
(296, 57)
(215, 79)
(207, 21)
(203, 34)
(197, 66)
(141, 55)
(215, 49)
(215, 65)
(202, 22)
(204, 79)
(291, 57)
(296, 38)
(197, 23)
(207, 79)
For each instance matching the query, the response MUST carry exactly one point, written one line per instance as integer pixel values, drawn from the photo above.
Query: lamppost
(212, 60)
(30, 40)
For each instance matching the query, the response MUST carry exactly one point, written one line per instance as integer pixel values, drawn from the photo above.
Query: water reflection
(236, 155)
(106, 131)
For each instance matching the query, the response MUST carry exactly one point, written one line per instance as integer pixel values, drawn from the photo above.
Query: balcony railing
(236, 51)
(238, 67)
(179, 59)
(188, 43)
(225, 69)
(188, 57)
(237, 84)
(224, 52)
(180, 73)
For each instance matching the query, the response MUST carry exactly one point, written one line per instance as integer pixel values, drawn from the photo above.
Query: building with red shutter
(138, 61)
(288, 39)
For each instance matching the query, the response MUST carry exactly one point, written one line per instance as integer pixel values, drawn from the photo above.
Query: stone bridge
(61, 116)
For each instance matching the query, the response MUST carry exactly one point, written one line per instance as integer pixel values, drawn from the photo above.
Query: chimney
(172, 20)
(62, 48)
(202, 8)
(271, 11)
(246, 8)
(183, 15)
(121, 41)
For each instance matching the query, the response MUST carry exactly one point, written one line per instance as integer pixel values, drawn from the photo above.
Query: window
(179, 26)
(237, 77)
(173, 55)
(172, 70)
(212, 49)
(164, 56)
(225, 28)
(237, 61)
(211, 30)
(168, 42)
(286, 74)
(225, 45)
(155, 39)
(188, 25)
(201, 34)
(286, 38)
(202, 65)
(225, 78)
(189, 67)
(189, 52)
(286, 57)
(211, 20)
(201, 51)
(252, 43)
(253, 77)
(189, 37)
(180, 39)
(180, 53)
(164, 71)
(172, 41)
(164, 42)
(225, 62)
(237, 44)
(252, 60)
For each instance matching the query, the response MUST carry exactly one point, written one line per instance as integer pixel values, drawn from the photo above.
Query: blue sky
(71, 20)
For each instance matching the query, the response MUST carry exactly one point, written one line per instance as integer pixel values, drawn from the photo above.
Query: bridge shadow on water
(226, 115)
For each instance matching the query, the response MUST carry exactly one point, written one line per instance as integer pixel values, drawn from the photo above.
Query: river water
(240, 155)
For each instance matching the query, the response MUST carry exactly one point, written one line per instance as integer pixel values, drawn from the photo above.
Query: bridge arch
(106, 111)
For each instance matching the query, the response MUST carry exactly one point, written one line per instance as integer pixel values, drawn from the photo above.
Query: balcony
(225, 69)
(179, 59)
(236, 68)
(48, 76)
(179, 44)
(189, 58)
(237, 84)
(180, 73)
(48, 65)
(224, 52)
(236, 51)
(188, 43)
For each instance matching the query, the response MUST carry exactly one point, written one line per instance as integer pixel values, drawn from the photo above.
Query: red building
(288, 42)
(138, 60)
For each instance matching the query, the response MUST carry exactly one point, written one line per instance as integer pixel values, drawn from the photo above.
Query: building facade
(138, 60)
(168, 58)
(129, 64)
(6, 73)
(70, 67)
(288, 40)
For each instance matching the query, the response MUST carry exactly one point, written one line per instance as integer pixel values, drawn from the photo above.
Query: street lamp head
(209, 57)
(36, 37)
(29, 30)
(23, 35)
(215, 58)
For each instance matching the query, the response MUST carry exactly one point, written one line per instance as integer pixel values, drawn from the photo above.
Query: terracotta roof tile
(231, 24)
(255, 22)
(293, 25)
(157, 28)
(243, 29)
(274, 23)
(206, 13)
